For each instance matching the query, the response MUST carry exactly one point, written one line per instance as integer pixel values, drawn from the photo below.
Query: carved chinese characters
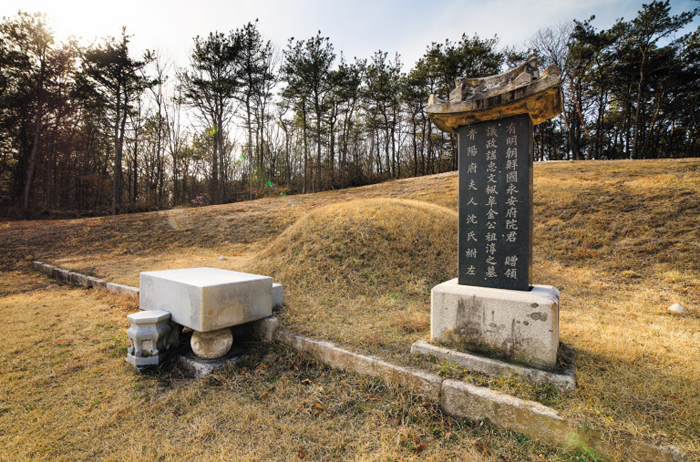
(495, 203)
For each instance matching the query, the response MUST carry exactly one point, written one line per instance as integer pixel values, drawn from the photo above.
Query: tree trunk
(318, 141)
(119, 125)
(37, 136)
(635, 135)
(306, 147)
(250, 148)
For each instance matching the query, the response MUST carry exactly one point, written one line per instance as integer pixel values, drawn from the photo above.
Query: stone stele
(207, 299)
(492, 308)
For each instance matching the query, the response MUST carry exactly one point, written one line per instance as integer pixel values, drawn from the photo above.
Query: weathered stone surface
(424, 383)
(85, 281)
(212, 344)
(96, 283)
(265, 329)
(528, 417)
(199, 368)
(206, 299)
(149, 337)
(42, 267)
(463, 400)
(74, 278)
(121, 289)
(277, 295)
(59, 273)
(521, 326)
(677, 308)
(493, 367)
(541, 423)
(470, 89)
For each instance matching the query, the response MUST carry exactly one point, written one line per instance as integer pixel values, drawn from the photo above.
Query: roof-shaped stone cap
(518, 91)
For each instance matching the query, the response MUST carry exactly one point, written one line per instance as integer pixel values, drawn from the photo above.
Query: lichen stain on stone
(514, 342)
(469, 324)
(539, 316)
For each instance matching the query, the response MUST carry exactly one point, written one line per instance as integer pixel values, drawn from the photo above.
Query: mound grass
(373, 261)
(619, 239)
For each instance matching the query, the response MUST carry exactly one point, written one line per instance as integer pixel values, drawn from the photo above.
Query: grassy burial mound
(360, 272)
(620, 240)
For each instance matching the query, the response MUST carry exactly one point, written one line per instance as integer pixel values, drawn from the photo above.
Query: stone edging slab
(458, 399)
(463, 400)
(85, 281)
(493, 367)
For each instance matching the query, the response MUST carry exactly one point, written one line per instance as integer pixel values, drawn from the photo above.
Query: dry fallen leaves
(480, 447)
(419, 446)
(123, 411)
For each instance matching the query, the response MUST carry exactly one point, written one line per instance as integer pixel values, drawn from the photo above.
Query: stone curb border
(463, 400)
(458, 399)
(85, 281)
(495, 368)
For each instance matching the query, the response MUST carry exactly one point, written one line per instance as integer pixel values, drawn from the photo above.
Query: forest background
(92, 130)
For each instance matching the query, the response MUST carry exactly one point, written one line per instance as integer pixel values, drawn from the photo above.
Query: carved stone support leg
(150, 337)
(213, 344)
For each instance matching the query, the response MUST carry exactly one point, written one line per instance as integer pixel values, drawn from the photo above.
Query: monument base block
(514, 325)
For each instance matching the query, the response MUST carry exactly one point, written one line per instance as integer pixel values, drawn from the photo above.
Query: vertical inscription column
(495, 203)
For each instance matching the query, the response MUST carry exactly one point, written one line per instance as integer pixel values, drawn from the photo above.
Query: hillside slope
(620, 240)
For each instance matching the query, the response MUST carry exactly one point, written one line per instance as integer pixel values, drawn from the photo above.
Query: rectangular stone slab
(514, 325)
(206, 299)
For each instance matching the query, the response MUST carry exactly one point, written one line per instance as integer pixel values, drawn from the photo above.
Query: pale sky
(357, 28)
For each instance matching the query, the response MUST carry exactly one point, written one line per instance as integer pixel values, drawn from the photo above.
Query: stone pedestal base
(562, 380)
(151, 338)
(192, 366)
(520, 326)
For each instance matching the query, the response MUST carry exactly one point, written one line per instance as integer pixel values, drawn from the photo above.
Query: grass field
(620, 240)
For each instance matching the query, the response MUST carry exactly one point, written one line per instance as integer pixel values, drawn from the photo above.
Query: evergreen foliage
(94, 130)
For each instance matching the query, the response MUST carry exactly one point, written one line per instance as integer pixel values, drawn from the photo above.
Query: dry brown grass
(620, 239)
(67, 394)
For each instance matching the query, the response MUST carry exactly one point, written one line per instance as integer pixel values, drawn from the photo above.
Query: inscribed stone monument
(492, 306)
(495, 189)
